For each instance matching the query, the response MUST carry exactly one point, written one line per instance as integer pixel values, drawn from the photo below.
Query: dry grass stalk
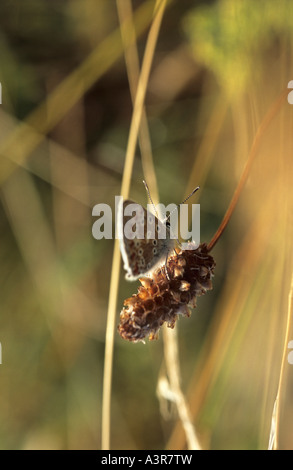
(275, 425)
(130, 153)
(170, 340)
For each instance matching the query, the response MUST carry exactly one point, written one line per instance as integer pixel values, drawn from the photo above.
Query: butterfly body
(145, 241)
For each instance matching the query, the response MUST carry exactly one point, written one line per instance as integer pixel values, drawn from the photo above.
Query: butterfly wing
(144, 239)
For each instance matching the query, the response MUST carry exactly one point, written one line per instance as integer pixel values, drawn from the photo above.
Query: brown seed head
(169, 292)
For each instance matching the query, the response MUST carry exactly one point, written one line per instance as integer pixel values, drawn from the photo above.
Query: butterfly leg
(165, 266)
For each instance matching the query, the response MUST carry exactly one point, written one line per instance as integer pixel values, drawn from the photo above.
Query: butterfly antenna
(178, 205)
(149, 195)
(191, 194)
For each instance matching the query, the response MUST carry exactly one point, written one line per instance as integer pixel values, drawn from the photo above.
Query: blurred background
(219, 67)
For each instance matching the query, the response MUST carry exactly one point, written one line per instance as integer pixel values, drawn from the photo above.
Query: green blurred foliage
(231, 38)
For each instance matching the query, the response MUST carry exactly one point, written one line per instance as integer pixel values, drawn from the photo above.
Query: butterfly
(144, 248)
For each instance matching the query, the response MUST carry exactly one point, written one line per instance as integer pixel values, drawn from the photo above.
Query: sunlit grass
(201, 106)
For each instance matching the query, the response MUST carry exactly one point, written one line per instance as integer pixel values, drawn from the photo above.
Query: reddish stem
(253, 151)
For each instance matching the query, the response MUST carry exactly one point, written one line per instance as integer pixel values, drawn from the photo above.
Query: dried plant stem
(173, 371)
(125, 13)
(130, 153)
(253, 152)
(275, 427)
(170, 337)
(225, 320)
(141, 89)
